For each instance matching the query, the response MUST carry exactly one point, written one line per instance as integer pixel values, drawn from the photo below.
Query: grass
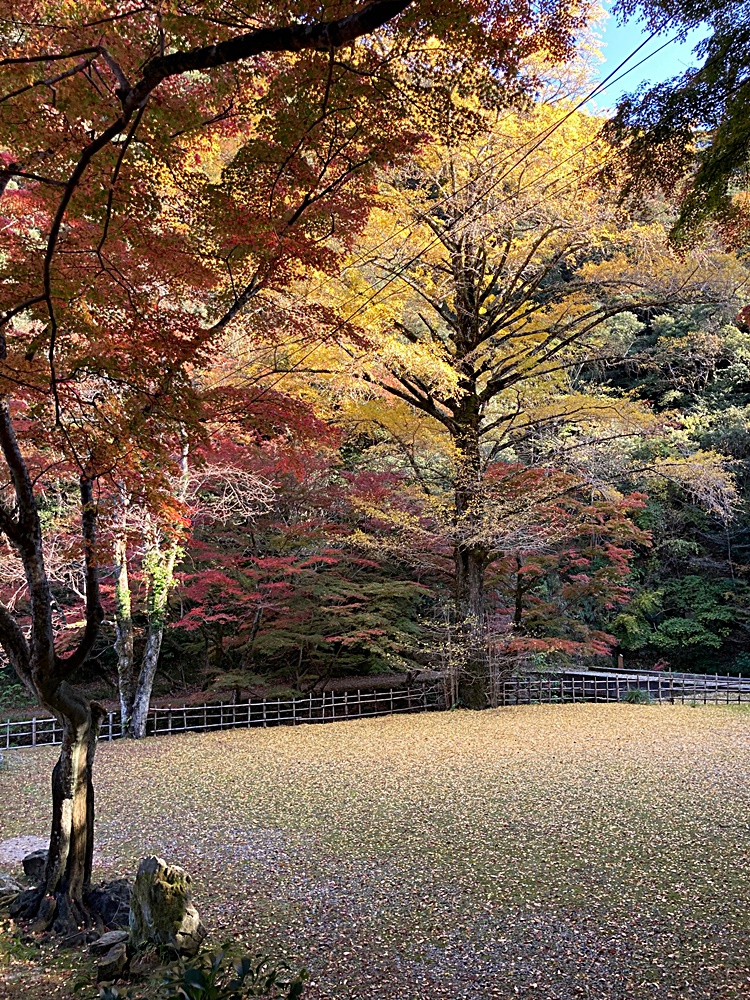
(550, 852)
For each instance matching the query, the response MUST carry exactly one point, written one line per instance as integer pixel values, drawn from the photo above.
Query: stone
(112, 965)
(34, 865)
(107, 941)
(9, 888)
(111, 900)
(162, 910)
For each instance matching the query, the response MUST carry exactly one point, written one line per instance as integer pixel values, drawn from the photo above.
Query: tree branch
(94, 610)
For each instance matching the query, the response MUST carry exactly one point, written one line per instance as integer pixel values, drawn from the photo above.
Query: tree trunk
(136, 686)
(473, 686)
(126, 680)
(60, 902)
(142, 697)
(470, 554)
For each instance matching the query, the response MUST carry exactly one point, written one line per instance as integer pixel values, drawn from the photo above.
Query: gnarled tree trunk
(124, 647)
(60, 901)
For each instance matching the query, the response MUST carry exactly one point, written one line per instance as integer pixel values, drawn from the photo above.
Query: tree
(690, 605)
(689, 136)
(514, 276)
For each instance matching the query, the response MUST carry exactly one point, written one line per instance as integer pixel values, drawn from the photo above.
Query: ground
(549, 852)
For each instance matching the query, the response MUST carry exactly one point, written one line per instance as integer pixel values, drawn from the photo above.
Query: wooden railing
(605, 686)
(337, 706)
(328, 706)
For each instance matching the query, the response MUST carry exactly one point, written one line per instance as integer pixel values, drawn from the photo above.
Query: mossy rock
(162, 910)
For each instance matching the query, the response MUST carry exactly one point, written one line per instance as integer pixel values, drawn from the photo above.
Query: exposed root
(26, 905)
(45, 915)
(57, 912)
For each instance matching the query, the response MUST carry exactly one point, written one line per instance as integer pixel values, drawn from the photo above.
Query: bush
(12, 692)
(637, 696)
(213, 975)
(210, 976)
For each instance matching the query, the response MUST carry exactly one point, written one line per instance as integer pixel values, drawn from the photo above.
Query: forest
(352, 338)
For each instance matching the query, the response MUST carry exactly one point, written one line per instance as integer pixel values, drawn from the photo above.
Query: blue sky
(620, 40)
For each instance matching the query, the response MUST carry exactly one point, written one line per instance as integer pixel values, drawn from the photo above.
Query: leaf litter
(550, 852)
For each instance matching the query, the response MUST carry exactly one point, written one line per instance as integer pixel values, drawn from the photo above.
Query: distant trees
(689, 136)
(690, 606)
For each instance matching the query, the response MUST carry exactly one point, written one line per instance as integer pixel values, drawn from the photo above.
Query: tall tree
(514, 274)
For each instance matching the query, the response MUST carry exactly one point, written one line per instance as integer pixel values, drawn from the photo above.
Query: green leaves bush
(214, 975)
(210, 976)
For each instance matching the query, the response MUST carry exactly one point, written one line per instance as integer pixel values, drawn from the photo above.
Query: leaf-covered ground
(549, 852)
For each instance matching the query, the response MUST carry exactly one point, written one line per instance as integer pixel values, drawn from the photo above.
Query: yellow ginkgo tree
(495, 281)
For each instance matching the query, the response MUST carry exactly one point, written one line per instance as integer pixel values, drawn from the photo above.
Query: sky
(620, 40)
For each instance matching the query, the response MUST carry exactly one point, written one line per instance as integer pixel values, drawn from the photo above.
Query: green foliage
(637, 696)
(690, 136)
(686, 619)
(690, 600)
(213, 976)
(12, 692)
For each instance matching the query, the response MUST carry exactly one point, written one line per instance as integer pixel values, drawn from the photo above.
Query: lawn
(546, 852)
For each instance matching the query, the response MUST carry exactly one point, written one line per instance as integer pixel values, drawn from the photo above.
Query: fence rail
(335, 706)
(573, 686)
(329, 706)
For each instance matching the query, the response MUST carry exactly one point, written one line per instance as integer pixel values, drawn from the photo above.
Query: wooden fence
(674, 689)
(335, 706)
(329, 706)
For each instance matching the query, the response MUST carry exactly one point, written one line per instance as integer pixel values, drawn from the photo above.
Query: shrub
(212, 976)
(636, 696)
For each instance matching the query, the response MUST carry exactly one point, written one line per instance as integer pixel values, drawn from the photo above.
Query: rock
(111, 900)
(9, 888)
(161, 908)
(34, 865)
(112, 965)
(108, 941)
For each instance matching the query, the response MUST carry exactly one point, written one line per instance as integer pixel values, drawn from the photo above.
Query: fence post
(169, 720)
(33, 731)
(110, 718)
(7, 735)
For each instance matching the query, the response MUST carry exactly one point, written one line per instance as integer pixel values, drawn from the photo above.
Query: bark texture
(471, 559)
(60, 901)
